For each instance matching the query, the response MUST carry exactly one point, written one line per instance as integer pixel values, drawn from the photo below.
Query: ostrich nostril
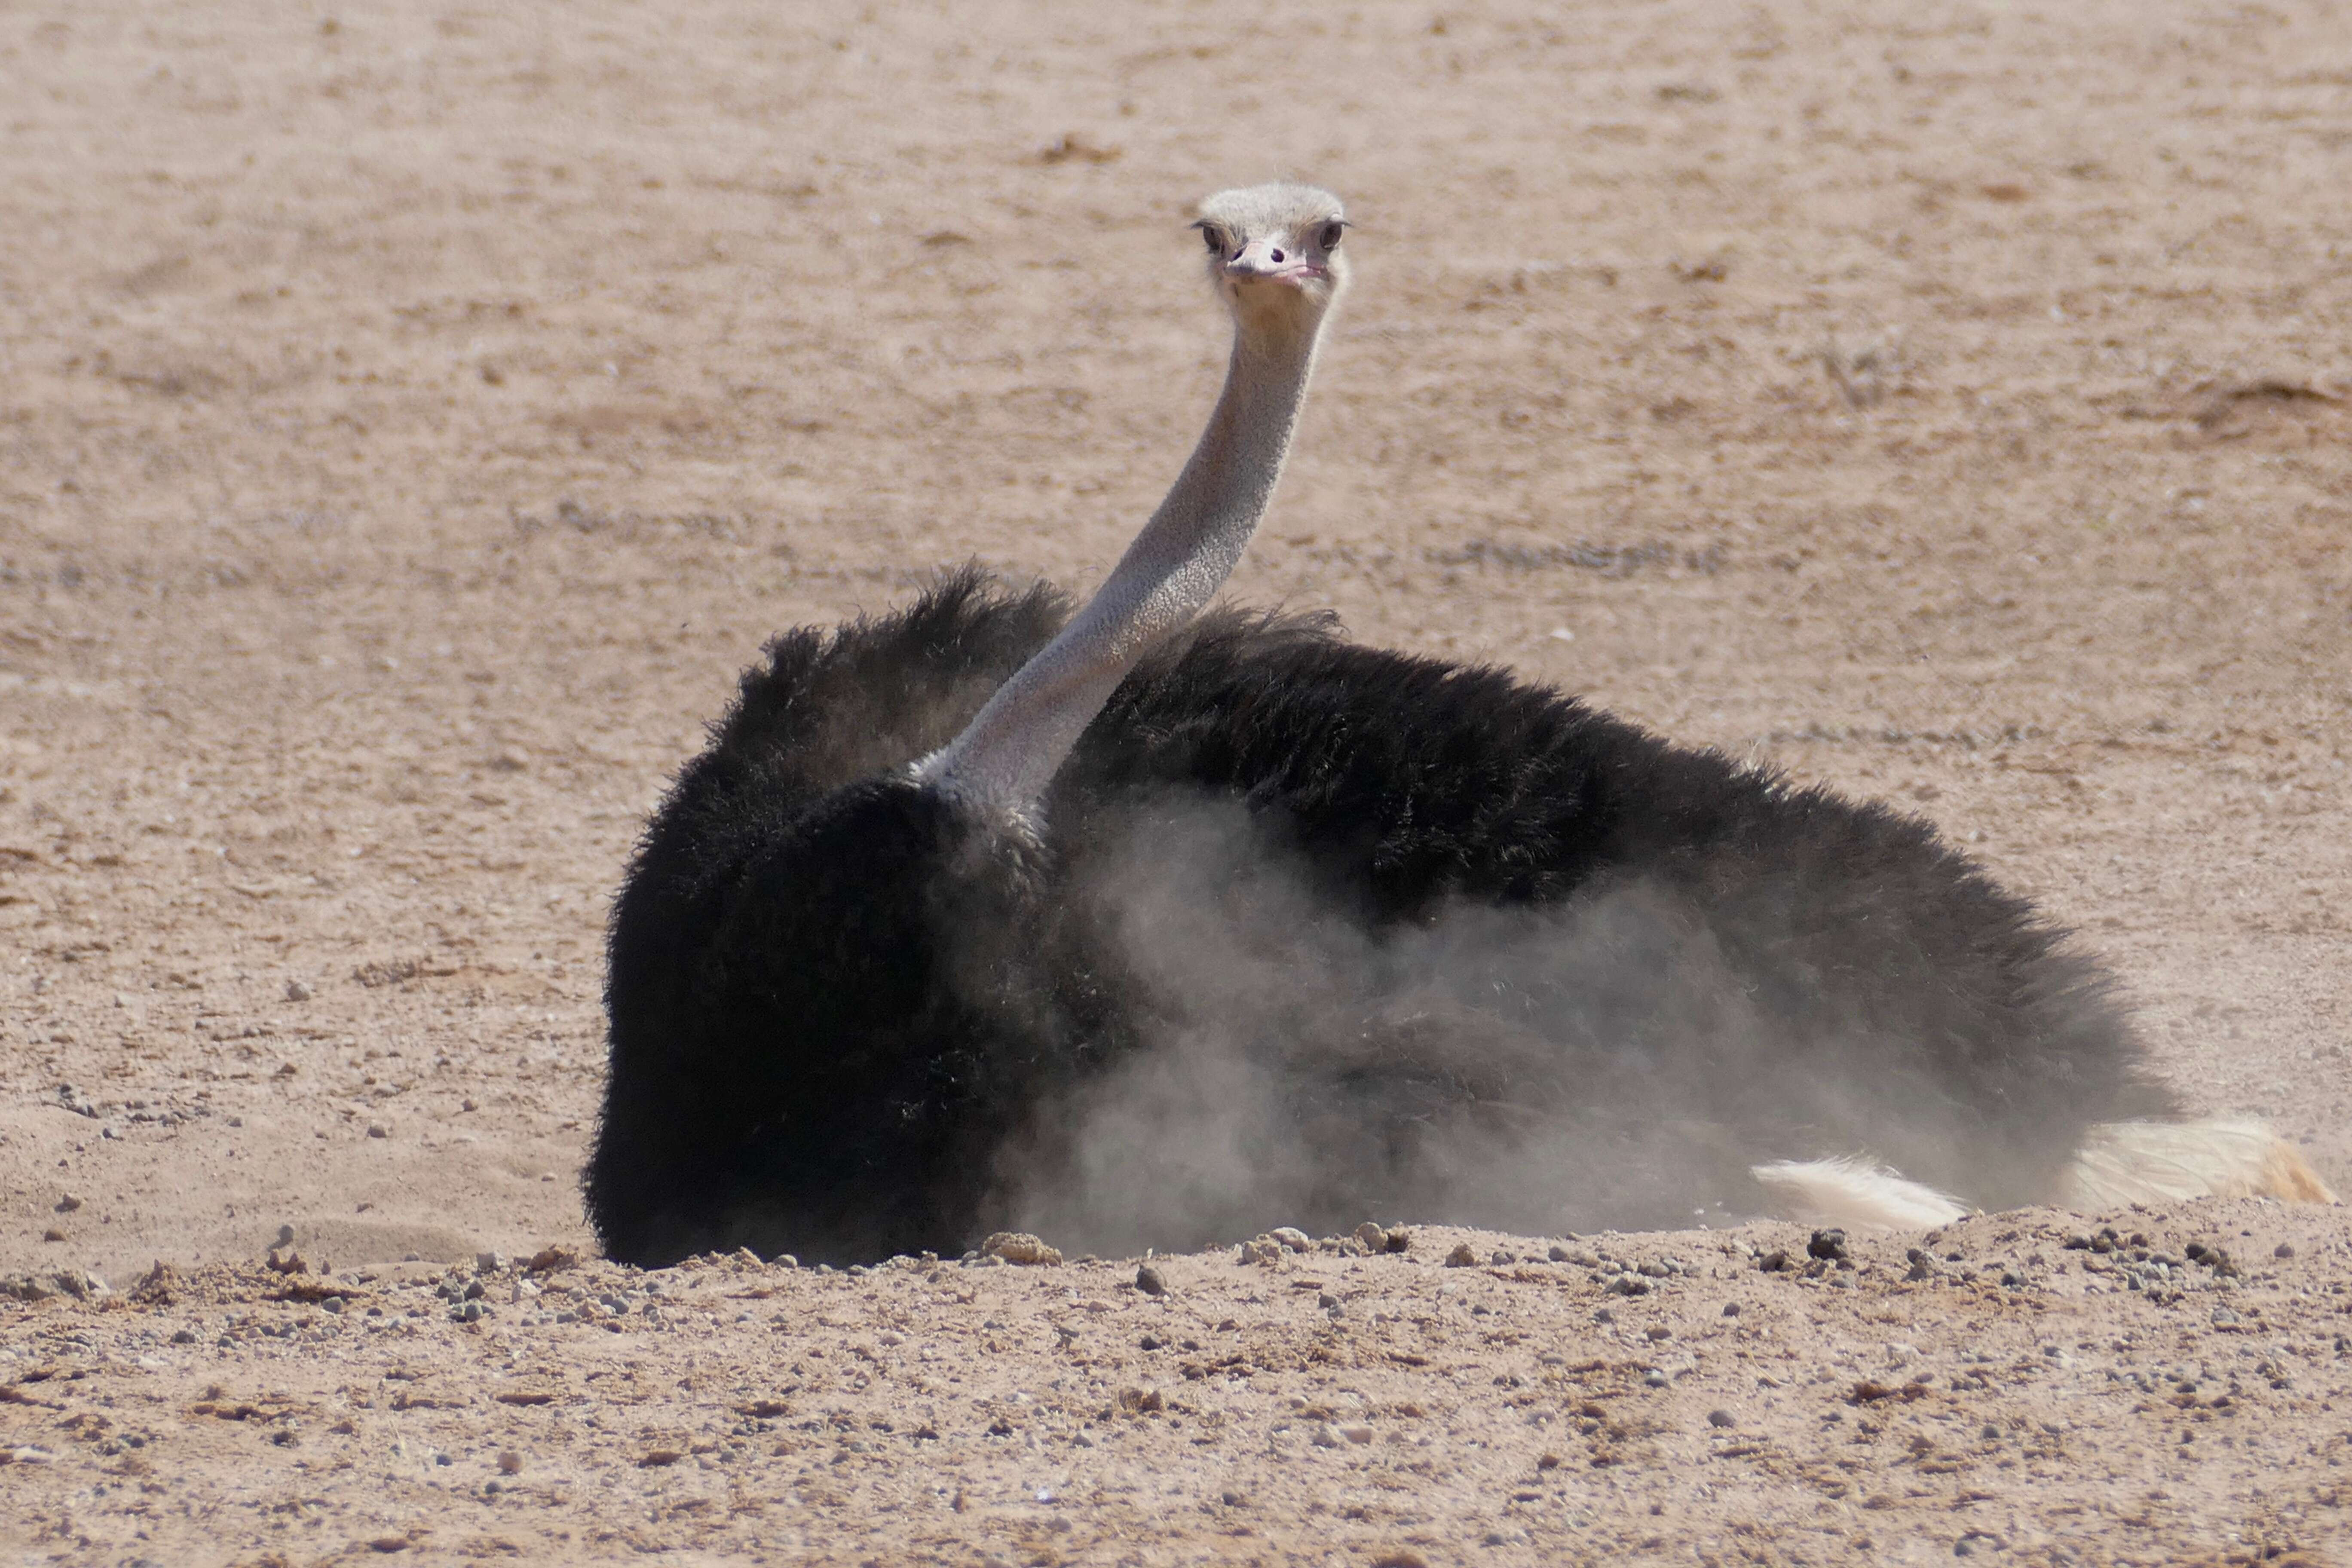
(1276, 254)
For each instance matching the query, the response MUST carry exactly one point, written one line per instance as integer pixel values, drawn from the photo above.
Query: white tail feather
(2119, 1162)
(1856, 1193)
(2164, 1162)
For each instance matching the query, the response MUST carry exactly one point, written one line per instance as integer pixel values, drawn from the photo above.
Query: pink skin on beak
(1261, 261)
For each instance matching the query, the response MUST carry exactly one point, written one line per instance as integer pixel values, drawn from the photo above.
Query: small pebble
(1292, 1237)
(1459, 1257)
(1019, 1247)
(1731, 1308)
(1659, 1332)
(1721, 1418)
(68, 1203)
(1654, 1378)
(296, 992)
(2283, 1249)
(1148, 1281)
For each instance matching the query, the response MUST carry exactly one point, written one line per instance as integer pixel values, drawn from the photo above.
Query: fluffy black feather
(847, 1021)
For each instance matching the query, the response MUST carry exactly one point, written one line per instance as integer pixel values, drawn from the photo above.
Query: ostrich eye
(1213, 239)
(1329, 238)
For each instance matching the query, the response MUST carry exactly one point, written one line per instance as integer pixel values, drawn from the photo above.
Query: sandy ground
(410, 420)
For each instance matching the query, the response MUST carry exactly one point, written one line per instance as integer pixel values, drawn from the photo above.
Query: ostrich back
(1306, 932)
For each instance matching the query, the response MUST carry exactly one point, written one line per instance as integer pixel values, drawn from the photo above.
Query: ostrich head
(1274, 254)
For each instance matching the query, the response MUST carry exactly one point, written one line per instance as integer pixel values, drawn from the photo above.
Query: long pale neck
(1007, 755)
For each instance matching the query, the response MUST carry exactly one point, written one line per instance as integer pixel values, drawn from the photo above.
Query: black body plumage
(1457, 926)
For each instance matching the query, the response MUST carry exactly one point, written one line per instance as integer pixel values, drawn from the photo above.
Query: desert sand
(412, 419)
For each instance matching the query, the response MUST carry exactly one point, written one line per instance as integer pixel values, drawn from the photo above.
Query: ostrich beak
(1261, 262)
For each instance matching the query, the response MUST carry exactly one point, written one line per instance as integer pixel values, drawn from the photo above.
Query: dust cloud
(1605, 1063)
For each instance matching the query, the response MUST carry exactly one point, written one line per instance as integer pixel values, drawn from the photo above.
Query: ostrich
(1162, 922)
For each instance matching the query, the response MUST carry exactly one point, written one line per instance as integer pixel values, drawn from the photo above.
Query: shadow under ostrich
(1151, 926)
